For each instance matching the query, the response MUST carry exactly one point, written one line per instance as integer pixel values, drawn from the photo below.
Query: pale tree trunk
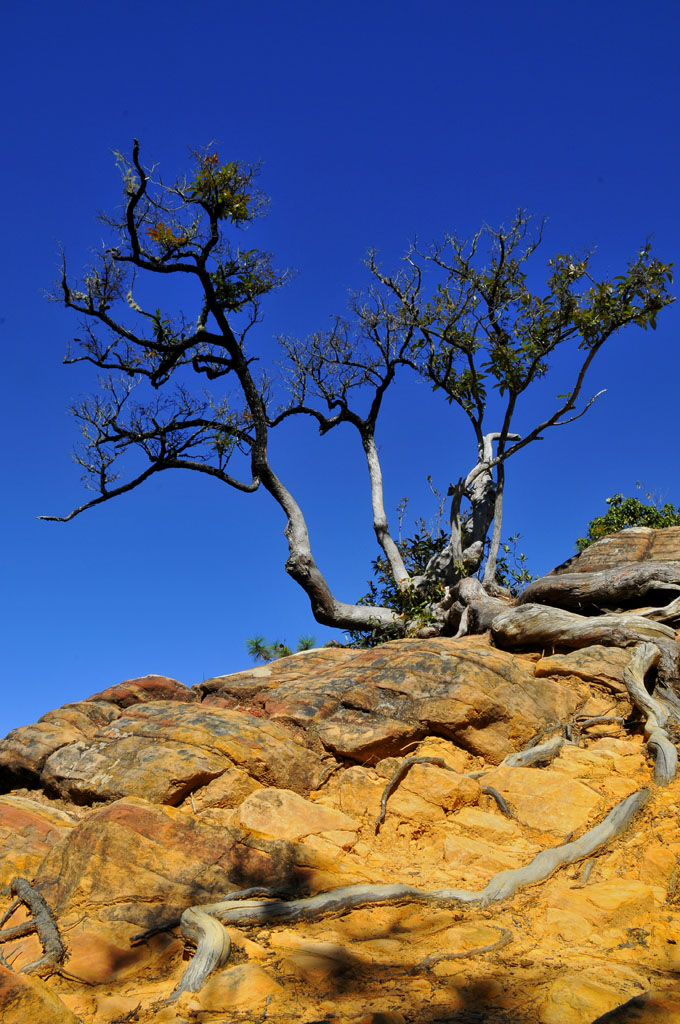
(445, 565)
(481, 493)
(302, 567)
(486, 501)
(380, 524)
(479, 608)
(489, 577)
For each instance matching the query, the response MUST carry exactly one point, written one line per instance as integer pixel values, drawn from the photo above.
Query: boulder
(25, 750)
(637, 544)
(144, 689)
(657, 1006)
(546, 800)
(246, 988)
(163, 750)
(575, 997)
(600, 911)
(366, 705)
(595, 664)
(282, 814)
(228, 790)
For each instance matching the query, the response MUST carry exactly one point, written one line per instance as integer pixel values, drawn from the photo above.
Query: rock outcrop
(638, 544)
(289, 781)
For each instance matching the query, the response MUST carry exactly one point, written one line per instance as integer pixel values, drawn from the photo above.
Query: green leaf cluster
(264, 650)
(623, 513)
(239, 280)
(225, 190)
(414, 604)
(484, 327)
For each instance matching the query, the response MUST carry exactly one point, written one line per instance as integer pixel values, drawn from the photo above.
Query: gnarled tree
(460, 315)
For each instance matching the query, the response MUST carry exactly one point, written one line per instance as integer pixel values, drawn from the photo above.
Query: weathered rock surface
(638, 544)
(162, 750)
(24, 999)
(285, 815)
(150, 798)
(602, 666)
(26, 749)
(28, 829)
(365, 705)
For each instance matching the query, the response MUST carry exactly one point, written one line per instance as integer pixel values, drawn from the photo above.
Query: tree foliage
(264, 650)
(623, 513)
(184, 388)
(414, 605)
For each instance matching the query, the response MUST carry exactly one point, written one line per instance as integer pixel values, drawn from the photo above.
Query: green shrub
(626, 512)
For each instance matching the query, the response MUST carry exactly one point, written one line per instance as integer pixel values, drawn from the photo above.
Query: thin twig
(8, 913)
(585, 723)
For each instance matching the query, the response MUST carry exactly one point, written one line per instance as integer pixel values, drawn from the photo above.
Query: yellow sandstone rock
(245, 987)
(25, 1000)
(544, 799)
(282, 814)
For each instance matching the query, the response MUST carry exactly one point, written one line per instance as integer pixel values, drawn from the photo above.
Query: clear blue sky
(374, 121)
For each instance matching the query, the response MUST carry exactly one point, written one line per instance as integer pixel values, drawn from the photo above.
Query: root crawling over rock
(43, 923)
(645, 657)
(201, 924)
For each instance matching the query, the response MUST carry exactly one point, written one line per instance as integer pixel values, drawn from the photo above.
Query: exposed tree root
(399, 774)
(535, 625)
(504, 939)
(10, 910)
(408, 763)
(43, 923)
(583, 722)
(585, 874)
(529, 625)
(580, 591)
(502, 806)
(198, 923)
(669, 614)
(645, 656)
(543, 753)
(213, 947)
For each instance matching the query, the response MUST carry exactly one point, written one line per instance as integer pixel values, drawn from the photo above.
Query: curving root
(401, 771)
(645, 656)
(200, 927)
(213, 947)
(503, 940)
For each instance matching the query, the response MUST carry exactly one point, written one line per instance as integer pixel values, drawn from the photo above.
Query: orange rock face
(366, 705)
(151, 798)
(28, 829)
(24, 999)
